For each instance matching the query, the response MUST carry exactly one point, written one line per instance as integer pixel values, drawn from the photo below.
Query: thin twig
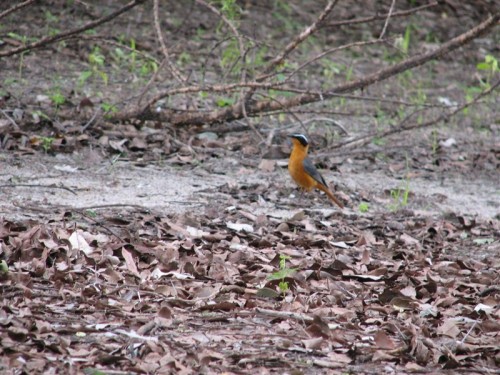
(82, 212)
(242, 60)
(387, 20)
(16, 8)
(330, 51)
(289, 112)
(359, 97)
(84, 127)
(402, 13)
(105, 40)
(66, 34)
(469, 331)
(210, 88)
(10, 119)
(159, 34)
(247, 120)
(308, 31)
(330, 120)
(150, 82)
(290, 47)
(40, 186)
(416, 125)
(235, 32)
(258, 107)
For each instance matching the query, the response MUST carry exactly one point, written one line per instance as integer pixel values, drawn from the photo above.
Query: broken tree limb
(257, 107)
(67, 34)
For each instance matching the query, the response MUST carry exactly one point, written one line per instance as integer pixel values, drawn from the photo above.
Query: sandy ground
(41, 181)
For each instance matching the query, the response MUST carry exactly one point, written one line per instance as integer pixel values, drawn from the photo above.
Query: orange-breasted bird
(303, 171)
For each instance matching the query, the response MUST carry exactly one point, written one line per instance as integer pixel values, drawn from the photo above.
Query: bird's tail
(330, 195)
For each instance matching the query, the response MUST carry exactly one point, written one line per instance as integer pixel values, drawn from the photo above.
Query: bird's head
(299, 139)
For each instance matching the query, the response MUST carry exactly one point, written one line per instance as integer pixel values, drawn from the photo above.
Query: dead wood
(257, 107)
(70, 33)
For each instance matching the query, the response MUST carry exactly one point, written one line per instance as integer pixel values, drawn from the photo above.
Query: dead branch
(415, 125)
(402, 13)
(387, 20)
(64, 35)
(330, 51)
(254, 108)
(299, 39)
(40, 186)
(235, 32)
(242, 58)
(15, 8)
(171, 67)
(106, 40)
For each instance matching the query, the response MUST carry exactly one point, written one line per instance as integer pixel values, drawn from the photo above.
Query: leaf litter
(139, 291)
(187, 293)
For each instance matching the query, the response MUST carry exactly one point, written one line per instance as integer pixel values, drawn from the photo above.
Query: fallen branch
(415, 125)
(254, 108)
(15, 8)
(39, 186)
(402, 13)
(64, 35)
(171, 67)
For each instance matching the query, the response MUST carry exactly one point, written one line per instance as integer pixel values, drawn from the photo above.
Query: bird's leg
(301, 196)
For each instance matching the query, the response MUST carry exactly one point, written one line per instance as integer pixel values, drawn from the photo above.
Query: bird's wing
(313, 172)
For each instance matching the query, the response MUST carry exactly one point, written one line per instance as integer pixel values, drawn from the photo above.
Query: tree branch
(299, 39)
(173, 70)
(15, 8)
(64, 35)
(416, 125)
(258, 107)
(402, 13)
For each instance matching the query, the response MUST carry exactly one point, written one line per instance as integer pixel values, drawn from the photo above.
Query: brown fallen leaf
(383, 341)
(267, 165)
(129, 261)
(314, 343)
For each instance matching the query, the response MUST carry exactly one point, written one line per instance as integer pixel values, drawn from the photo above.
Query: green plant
(96, 61)
(224, 101)
(47, 143)
(230, 56)
(135, 61)
(490, 65)
(4, 268)
(24, 40)
(363, 207)
(57, 97)
(108, 109)
(184, 58)
(39, 114)
(403, 43)
(91, 213)
(259, 57)
(420, 98)
(49, 20)
(49, 17)
(401, 194)
(282, 274)
(229, 8)
(283, 13)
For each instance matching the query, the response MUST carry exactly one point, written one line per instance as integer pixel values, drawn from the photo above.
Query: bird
(303, 171)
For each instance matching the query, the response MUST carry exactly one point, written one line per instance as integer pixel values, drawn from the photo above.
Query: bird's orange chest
(297, 171)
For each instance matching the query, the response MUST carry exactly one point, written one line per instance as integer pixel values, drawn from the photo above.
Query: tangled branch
(254, 108)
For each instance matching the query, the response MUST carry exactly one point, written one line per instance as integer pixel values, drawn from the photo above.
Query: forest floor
(137, 249)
